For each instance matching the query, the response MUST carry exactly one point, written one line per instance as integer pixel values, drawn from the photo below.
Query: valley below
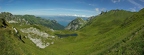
(114, 32)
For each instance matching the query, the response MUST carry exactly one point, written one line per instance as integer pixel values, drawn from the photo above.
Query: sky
(84, 8)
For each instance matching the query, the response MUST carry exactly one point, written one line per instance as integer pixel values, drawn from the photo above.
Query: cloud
(61, 9)
(75, 10)
(135, 3)
(41, 10)
(97, 9)
(75, 15)
(115, 1)
(92, 4)
(100, 9)
(82, 2)
(133, 9)
(56, 11)
(142, 0)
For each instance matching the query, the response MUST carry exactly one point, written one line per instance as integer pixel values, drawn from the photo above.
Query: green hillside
(115, 32)
(30, 20)
(45, 22)
(104, 34)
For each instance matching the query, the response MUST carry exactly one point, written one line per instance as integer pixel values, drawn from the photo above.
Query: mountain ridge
(31, 19)
(76, 24)
(115, 32)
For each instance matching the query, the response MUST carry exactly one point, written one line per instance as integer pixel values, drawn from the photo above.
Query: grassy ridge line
(133, 42)
(93, 39)
(40, 21)
(102, 39)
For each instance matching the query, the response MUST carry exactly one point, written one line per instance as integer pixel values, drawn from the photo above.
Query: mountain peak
(76, 24)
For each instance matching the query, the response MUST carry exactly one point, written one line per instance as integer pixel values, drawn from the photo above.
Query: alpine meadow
(35, 27)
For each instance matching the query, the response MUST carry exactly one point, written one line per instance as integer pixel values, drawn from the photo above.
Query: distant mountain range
(63, 20)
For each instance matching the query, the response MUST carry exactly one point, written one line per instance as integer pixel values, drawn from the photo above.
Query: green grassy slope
(132, 44)
(106, 34)
(116, 32)
(15, 43)
(12, 43)
(107, 21)
(31, 19)
(45, 22)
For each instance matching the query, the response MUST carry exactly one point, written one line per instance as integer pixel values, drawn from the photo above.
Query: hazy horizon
(84, 8)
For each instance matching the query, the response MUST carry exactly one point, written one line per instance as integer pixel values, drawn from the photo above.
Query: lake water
(67, 35)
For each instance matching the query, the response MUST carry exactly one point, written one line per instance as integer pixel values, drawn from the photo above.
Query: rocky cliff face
(10, 18)
(76, 24)
(38, 37)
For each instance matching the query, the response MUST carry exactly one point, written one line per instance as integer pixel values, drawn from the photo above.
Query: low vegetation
(115, 32)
